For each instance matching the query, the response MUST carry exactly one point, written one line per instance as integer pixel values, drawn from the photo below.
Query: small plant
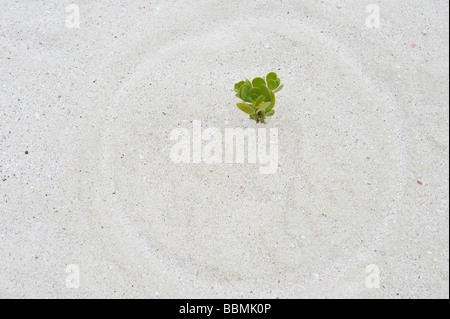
(258, 96)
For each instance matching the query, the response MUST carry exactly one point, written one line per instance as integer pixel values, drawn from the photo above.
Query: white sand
(362, 119)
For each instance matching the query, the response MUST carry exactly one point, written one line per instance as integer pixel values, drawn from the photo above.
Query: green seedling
(258, 96)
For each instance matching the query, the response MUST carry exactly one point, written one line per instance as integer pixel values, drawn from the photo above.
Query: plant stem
(261, 117)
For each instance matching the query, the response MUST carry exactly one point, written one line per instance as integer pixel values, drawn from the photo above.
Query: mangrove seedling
(258, 96)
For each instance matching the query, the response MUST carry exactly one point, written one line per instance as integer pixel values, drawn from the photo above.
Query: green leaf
(266, 93)
(272, 102)
(258, 82)
(254, 116)
(263, 107)
(271, 76)
(246, 108)
(248, 83)
(238, 86)
(256, 91)
(270, 113)
(271, 84)
(245, 93)
(259, 100)
(279, 89)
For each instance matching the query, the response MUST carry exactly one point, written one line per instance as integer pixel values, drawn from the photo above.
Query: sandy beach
(93, 206)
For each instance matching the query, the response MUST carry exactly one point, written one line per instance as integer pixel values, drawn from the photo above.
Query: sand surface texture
(88, 189)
